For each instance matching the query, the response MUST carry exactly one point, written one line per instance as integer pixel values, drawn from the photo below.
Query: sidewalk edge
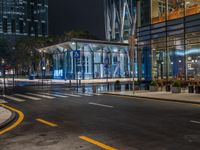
(10, 120)
(157, 99)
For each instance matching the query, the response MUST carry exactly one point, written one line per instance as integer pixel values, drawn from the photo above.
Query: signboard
(76, 54)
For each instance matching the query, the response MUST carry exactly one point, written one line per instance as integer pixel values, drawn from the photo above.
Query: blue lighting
(58, 74)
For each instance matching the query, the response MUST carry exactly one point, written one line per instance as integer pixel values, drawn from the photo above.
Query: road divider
(104, 146)
(15, 124)
(46, 122)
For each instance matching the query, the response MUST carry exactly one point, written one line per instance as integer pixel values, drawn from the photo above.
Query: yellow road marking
(19, 120)
(106, 147)
(47, 122)
(196, 105)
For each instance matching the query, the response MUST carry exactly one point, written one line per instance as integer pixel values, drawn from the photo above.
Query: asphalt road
(118, 122)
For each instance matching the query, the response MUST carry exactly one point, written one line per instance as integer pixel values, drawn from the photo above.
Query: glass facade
(98, 60)
(168, 46)
(119, 19)
(24, 17)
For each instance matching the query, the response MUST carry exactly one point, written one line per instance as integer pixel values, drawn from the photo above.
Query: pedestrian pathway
(180, 97)
(5, 114)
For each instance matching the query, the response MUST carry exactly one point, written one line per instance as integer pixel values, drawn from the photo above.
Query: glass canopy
(89, 59)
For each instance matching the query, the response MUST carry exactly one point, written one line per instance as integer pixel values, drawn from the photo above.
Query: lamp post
(13, 77)
(4, 81)
(43, 66)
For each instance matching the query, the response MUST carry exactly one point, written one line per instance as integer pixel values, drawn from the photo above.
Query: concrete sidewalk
(6, 116)
(165, 96)
(54, 81)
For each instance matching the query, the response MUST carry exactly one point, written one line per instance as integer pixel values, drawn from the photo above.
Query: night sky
(86, 15)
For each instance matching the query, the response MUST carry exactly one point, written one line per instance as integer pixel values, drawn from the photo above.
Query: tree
(26, 53)
(80, 34)
(5, 50)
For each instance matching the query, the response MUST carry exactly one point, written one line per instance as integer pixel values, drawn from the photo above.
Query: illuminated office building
(24, 18)
(167, 37)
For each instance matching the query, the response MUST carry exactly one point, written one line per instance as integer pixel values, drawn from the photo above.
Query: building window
(5, 25)
(36, 28)
(158, 11)
(192, 7)
(21, 26)
(143, 9)
(175, 9)
(29, 28)
(43, 29)
(13, 26)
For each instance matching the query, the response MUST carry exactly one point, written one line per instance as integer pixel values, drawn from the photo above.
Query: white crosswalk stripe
(56, 95)
(72, 95)
(97, 94)
(14, 98)
(29, 97)
(42, 96)
(2, 101)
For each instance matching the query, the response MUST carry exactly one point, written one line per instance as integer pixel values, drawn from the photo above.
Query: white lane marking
(40, 95)
(14, 98)
(90, 103)
(193, 121)
(29, 97)
(72, 95)
(56, 95)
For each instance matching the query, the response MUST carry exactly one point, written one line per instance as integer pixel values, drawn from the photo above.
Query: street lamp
(4, 80)
(13, 48)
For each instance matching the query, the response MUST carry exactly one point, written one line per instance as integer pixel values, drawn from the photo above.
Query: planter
(168, 88)
(190, 89)
(176, 89)
(153, 88)
(197, 89)
(136, 87)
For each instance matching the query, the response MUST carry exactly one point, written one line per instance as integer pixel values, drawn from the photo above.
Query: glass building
(24, 17)
(167, 39)
(88, 59)
(120, 19)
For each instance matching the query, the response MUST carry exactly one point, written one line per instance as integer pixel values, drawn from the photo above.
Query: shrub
(176, 83)
(136, 83)
(154, 83)
(117, 82)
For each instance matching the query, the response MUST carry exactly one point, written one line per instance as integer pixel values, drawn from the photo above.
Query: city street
(59, 119)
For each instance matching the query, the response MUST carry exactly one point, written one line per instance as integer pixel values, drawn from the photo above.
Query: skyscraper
(120, 19)
(24, 18)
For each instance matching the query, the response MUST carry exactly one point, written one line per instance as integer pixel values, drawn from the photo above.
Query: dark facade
(24, 18)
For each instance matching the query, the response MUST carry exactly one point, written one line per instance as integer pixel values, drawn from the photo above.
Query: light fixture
(73, 43)
(172, 63)
(179, 61)
(43, 68)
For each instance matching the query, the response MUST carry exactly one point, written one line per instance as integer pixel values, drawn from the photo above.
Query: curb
(157, 99)
(9, 121)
